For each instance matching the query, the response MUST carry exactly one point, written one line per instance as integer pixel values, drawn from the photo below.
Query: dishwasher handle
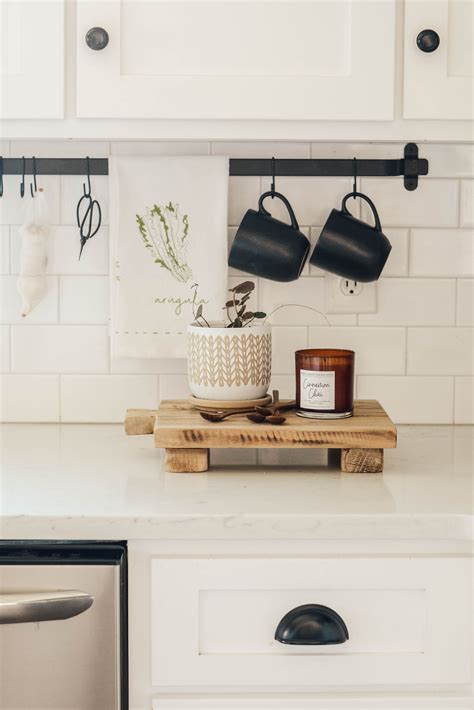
(24, 607)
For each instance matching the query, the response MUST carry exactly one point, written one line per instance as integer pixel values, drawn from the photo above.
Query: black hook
(88, 168)
(34, 179)
(272, 186)
(1, 175)
(91, 209)
(354, 172)
(22, 184)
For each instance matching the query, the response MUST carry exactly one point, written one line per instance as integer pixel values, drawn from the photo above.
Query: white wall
(415, 354)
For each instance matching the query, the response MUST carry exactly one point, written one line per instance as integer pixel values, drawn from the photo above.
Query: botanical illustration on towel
(164, 232)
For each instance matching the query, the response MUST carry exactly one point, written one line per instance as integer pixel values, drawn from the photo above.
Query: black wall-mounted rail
(410, 166)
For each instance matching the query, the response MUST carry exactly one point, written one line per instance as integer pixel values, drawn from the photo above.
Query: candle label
(317, 389)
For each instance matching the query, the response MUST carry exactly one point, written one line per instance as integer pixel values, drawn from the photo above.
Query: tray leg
(362, 460)
(186, 460)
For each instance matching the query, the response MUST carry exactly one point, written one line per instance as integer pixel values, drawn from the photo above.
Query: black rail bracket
(413, 166)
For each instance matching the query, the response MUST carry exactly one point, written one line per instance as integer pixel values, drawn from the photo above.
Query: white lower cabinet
(213, 622)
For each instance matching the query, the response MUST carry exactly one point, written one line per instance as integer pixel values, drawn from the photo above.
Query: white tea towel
(168, 222)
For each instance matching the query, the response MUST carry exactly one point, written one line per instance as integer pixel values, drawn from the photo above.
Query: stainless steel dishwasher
(63, 625)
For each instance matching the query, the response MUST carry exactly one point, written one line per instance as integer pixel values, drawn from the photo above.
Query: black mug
(351, 248)
(265, 246)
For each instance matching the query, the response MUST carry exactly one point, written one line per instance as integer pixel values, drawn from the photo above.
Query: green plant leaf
(246, 316)
(199, 311)
(244, 287)
(259, 314)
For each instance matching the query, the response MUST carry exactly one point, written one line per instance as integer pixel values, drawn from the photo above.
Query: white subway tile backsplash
(435, 351)
(445, 160)
(467, 203)
(465, 302)
(60, 348)
(60, 149)
(397, 262)
(359, 150)
(378, 350)
(29, 398)
(285, 384)
(294, 300)
(411, 400)
(414, 326)
(84, 299)
(160, 148)
(433, 204)
(4, 348)
(448, 160)
(13, 209)
(10, 302)
(442, 252)
(261, 149)
(413, 302)
(243, 195)
(464, 400)
(98, 398)
(174, 387)
(142, 366)
(285, 341)
(4, 249)
(312, 198)
(63, 252)
(72, 191)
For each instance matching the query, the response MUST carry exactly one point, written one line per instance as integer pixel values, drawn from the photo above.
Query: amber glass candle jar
(324, 383)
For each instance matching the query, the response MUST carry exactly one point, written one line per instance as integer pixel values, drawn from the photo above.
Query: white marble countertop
(92, 482)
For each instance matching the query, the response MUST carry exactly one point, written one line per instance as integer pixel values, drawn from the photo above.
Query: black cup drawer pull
(312, 625)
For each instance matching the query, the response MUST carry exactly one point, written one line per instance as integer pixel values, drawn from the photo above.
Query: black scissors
(88, 205)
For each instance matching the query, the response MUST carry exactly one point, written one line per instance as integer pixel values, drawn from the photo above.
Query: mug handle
(378, 226)
(262, 209)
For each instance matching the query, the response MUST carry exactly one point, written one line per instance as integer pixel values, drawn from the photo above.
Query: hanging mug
(351, 248)
(266, 247)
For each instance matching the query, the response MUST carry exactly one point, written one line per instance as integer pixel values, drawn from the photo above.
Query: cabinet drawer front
(214, 621)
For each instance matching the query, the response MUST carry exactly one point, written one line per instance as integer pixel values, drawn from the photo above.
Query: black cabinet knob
(428, 41)
(97, 38)
(312, 625)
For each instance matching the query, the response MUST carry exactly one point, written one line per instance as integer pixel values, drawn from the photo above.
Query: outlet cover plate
(337, 302)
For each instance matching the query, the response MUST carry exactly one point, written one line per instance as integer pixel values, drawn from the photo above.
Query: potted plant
(230, 360)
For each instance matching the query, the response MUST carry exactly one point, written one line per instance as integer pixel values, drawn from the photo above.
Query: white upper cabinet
(31, 59)
(234, 59)
(439, 83)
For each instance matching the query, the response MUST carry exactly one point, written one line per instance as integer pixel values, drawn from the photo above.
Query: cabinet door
(439, 84)
(31, 59)
(224, 59)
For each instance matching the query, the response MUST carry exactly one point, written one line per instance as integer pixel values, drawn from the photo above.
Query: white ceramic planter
(229, 363)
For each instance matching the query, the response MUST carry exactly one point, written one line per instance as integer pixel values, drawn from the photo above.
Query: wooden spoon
(282, 408)
(276, 419)
(219, 416)
(257, 417)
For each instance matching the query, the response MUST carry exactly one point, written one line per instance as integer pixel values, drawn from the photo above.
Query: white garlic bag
(34, 232)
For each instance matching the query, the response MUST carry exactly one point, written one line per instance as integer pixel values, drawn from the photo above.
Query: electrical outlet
(346, 296)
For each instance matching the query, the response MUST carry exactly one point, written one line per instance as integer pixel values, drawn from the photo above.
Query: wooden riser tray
(357, 442)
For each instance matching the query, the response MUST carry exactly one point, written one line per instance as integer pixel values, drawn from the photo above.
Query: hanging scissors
(88, 206)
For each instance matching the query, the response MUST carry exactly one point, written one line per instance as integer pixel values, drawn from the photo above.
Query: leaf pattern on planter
(226, 360)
